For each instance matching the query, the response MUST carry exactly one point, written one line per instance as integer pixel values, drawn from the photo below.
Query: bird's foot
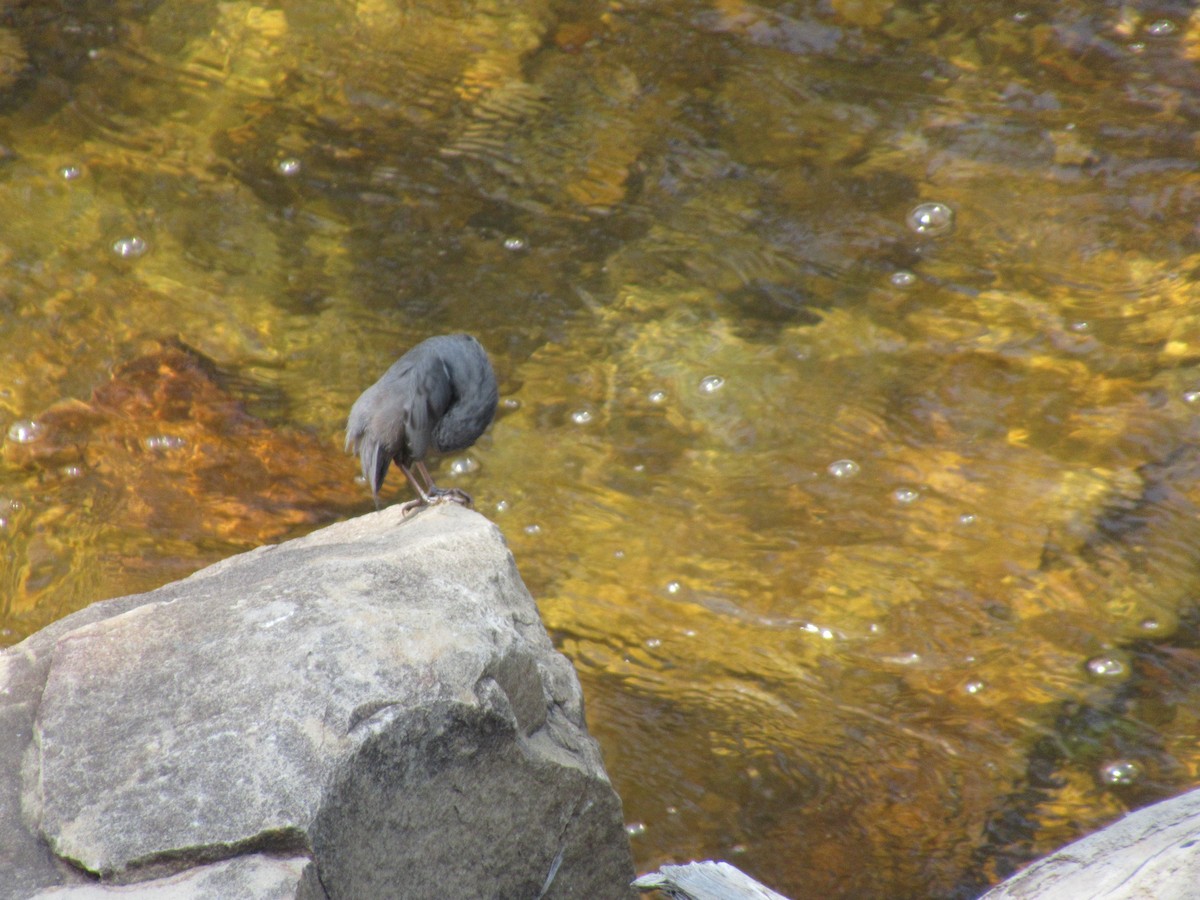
(451, 495)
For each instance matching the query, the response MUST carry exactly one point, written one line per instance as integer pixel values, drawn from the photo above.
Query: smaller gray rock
(1151, 853)
(707, 880)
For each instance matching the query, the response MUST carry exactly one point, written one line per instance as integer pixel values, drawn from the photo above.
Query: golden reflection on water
(868, 543)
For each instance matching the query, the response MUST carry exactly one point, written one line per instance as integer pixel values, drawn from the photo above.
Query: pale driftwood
(1151, 853)
(706, 880)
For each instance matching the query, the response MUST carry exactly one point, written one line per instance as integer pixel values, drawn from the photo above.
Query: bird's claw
(438, 495)
(451, 495)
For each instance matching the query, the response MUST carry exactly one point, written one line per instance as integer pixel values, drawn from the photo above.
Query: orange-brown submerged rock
(163, 469)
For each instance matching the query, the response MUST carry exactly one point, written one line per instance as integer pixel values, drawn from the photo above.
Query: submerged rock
(377, 701)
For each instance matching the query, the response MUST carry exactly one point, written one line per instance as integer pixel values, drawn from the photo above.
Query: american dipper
(438, 397)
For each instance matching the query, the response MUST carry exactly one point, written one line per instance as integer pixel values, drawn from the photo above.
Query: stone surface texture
(374, 710)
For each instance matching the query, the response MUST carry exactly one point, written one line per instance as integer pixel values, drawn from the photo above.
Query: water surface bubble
(1161, 28)
(510, 403)
(974, 686)
(130, 247)
(1137, 47)
(710, 384)
(70, 172)
(1149, 625)
(533, 529)
(931, 219)
(967, 519)
(502, 506)
(844, 468)
(581, 416)
(903, 278)
(635, 829)
(1120, 772)
(1191, 396)
(26, 431)
(906, 495)
(653, 643)
(515, 243)
(1109, 666)
(71, 471)
(673, 587)
(464, 465)
(660, 396)
(289, 166)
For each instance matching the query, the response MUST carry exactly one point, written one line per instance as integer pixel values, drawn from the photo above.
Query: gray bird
(439, 397)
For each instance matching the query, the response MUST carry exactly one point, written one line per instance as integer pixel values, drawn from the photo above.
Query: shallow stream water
(849, 358)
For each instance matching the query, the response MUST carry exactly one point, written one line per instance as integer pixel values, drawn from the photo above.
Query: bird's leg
(438, 495)
(423, 497)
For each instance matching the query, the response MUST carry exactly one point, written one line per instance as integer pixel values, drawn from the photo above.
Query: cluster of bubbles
(160, 443)
(1159, 28)
(848, 468)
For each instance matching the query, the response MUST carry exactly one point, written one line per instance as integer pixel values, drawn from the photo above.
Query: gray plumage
(439, 397)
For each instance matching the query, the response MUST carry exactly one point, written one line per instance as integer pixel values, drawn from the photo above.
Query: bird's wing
(428, 395)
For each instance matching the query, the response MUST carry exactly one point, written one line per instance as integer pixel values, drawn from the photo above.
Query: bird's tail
(375, 461)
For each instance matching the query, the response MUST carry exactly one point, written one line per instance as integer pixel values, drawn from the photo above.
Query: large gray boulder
(374, 710)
